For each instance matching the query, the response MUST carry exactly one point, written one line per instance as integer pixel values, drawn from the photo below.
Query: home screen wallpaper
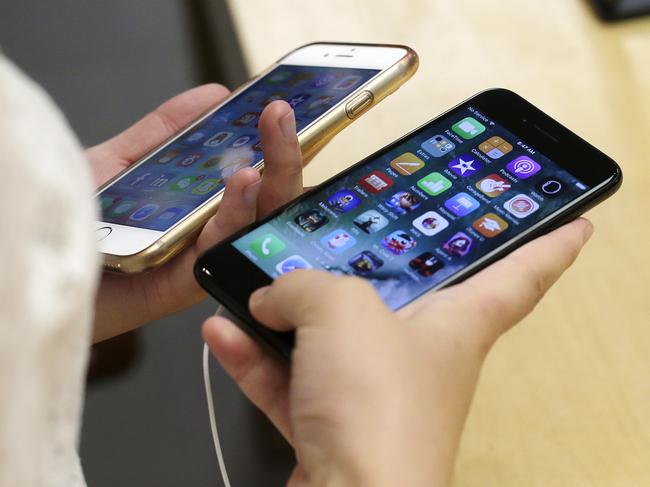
(420, 212)
(181, 176)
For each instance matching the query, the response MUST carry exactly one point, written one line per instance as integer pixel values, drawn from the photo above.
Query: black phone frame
(230, 277)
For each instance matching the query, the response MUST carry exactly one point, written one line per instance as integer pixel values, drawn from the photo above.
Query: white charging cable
(210, 402)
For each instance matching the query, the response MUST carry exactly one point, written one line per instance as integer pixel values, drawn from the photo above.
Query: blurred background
(564, 398)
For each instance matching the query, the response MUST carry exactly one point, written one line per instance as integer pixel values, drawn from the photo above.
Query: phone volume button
(358, 104)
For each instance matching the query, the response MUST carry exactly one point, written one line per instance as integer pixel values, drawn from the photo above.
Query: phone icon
(291, 264)
(430, 223)
(426, 264)
(434, 184)
(170, 214)
(407, 164)
(371, 221)
(169, 156)
(143, 213)
(461, 204)
(458, 245)
(183, 183)
(194, 138)
(206, 186)
(468, 128)
(464, 165)
(245, 119)
(521, 206)
(252, 96)
(551, 187)
(278, 77)
(241, 141)
(490, 225)
(365, 262)
(438, 145)
(267, 246)
(212, 162)
(311, 220)
(495, 147)
(273, 97)
(320, 104)
(137, 181)
(398, 242)
(161, 181)
(123, 207)
(403, 202)
(189, 159)
(106, 202)
(347, 83)
(343, 201)
(523, 167)
(493, 185)
(338, 241)
(217, 139)
(300, 78)
(296, 100)
(376, 182)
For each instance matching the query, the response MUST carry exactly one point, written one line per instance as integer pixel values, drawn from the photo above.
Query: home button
(102, 233)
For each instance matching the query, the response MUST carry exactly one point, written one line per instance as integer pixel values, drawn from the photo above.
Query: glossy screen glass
(180, 177)
(419, 213)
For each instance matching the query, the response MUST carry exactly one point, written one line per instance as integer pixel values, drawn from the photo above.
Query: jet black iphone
(424, 212)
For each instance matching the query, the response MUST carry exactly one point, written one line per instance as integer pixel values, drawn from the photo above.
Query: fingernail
(588, 231)
(288, 125)
(251, 192)
(258, 296)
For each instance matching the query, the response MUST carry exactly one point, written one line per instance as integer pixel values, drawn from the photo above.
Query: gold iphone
(156, 207)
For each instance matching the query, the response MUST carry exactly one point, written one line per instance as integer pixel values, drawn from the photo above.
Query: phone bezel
(124, 240)
(230, 277)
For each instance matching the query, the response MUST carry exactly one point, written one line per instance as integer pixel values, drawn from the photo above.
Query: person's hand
(125, 302)
(374, 398)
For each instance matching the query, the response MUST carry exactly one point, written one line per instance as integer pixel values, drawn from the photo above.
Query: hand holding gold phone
(153, 210)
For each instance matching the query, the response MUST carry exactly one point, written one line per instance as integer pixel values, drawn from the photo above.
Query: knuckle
(491, 309)
(167, 122)
(533, 283)
(489, 314)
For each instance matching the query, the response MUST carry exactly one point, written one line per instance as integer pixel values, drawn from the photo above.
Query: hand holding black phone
(425, 212)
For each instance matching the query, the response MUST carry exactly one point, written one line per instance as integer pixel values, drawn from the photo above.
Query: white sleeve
(48, 274)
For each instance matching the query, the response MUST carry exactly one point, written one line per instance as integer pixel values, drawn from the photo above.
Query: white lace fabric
(48, 274)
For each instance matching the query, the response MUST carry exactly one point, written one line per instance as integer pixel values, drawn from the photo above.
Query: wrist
(374, 465)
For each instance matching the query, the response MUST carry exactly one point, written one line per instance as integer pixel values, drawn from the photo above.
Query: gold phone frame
(311, 140)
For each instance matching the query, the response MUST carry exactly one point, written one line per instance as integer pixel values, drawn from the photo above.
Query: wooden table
(565, 397)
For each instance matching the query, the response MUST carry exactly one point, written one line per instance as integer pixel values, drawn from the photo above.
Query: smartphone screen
(416, 215)
(180, 177)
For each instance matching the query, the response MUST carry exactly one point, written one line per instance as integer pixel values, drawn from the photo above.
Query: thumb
(307, 298)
